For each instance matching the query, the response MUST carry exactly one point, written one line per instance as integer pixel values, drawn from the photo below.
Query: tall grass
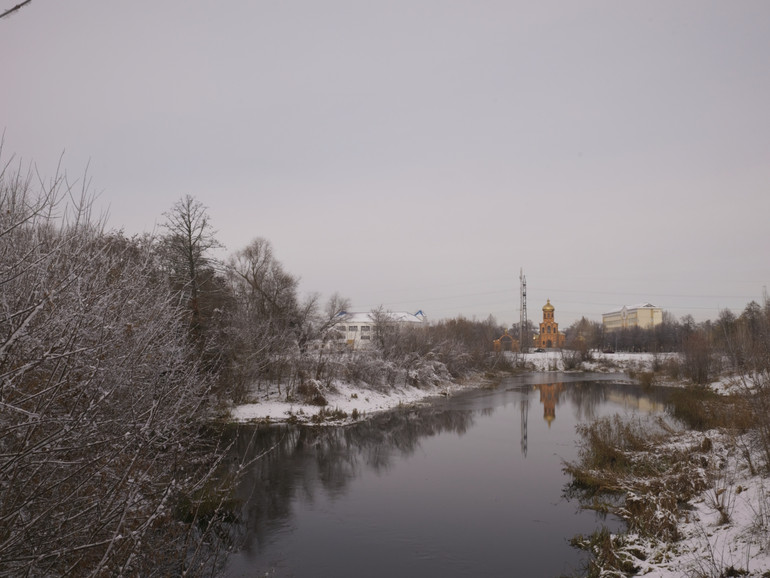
(702, 409)
(628, 468)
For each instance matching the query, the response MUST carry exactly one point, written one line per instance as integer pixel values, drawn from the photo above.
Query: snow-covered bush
(101, 400)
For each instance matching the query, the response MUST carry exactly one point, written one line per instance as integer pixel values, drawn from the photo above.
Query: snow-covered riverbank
(723, 530)
(349, 402)
(345, 403)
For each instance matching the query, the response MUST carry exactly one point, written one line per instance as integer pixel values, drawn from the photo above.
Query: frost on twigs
(102, 463)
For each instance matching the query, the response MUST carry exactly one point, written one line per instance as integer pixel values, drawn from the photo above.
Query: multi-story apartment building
(643, 315)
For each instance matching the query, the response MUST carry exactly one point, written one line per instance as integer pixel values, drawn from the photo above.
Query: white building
(644, 315)
(356, 329)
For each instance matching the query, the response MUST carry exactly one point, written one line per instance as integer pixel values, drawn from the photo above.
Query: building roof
(632, 308)
(548, 306)
(366, 316)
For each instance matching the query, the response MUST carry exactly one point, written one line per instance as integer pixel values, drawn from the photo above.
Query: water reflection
(441, 490)
(289, 462)
(549, 397)
(586, 396)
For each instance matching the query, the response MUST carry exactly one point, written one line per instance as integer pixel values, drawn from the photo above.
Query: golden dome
(548, 306)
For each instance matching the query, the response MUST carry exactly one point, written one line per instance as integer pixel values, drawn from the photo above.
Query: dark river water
(470, 485)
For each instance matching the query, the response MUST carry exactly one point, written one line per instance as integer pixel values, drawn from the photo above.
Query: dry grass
(629, 468)
(609, 554)
(701, 409)
(646, 473)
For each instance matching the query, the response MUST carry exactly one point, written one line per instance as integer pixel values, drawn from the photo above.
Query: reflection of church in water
(549, 397)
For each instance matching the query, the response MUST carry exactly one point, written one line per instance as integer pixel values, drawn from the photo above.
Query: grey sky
(416, 154)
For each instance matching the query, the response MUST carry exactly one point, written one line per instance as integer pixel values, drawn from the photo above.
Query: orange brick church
(549, 330)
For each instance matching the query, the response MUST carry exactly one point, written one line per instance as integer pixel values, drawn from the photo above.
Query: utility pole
(523, 324)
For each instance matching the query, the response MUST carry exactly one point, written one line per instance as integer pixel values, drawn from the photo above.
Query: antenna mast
(523, 341)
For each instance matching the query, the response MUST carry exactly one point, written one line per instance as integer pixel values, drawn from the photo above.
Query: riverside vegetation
(691, 489)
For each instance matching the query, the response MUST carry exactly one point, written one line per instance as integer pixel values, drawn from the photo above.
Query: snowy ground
(556, 360)
(727, 530)
(345, 397)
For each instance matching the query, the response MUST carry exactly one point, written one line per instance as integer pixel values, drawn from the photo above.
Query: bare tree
(272, 328)
(334, 312)
(386, 331)
(101, 400)
(270, 290)
(584, 335)
(265, 317)
(186, 248)
(312, 324)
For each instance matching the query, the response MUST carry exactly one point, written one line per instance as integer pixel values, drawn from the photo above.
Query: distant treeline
(735, 343)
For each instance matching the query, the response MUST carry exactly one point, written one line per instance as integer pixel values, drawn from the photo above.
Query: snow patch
(341, 397)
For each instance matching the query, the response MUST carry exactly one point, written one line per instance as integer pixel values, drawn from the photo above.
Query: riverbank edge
(720, 529)
(346, 403)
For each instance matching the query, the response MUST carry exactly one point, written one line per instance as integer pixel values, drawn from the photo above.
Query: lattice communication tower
(523, 325)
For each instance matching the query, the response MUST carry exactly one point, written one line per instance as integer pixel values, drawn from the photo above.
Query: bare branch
(15, 8)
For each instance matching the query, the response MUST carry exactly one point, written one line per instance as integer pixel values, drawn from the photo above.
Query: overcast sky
(417, 154)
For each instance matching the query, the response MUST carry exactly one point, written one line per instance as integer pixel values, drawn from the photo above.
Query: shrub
(571, 359)
(103, 399)
(310, 392)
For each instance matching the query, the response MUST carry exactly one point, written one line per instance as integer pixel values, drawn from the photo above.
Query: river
(469, 485)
